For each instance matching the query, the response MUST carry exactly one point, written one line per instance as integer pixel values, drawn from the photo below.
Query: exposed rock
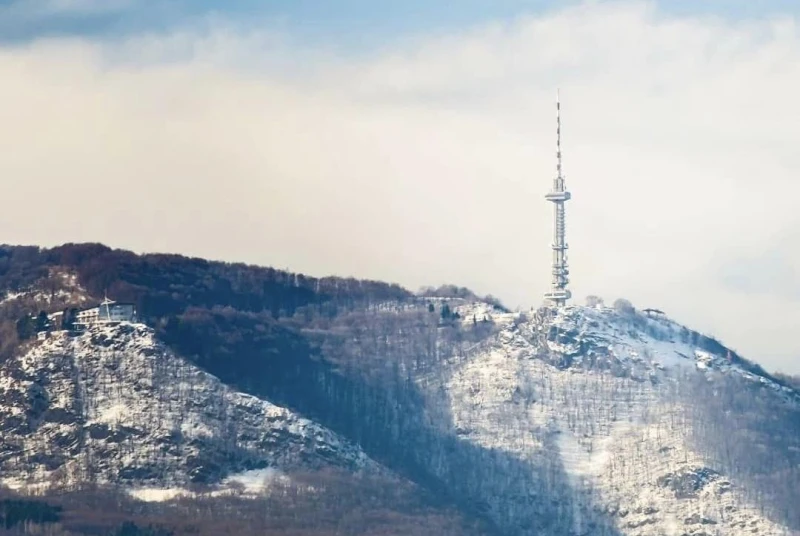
(688, 481)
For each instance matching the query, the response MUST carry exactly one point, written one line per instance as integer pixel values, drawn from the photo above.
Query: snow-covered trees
(593, 301)
(624, 307)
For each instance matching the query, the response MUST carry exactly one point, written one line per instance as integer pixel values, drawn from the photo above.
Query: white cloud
(27, 10)
(428, 162)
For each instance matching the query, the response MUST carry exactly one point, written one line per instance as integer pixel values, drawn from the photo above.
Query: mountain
(629, 424)
(439, 412)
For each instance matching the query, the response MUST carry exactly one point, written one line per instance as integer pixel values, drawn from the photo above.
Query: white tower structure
(559, 294)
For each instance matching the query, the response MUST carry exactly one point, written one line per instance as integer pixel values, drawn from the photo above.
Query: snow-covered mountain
(114, 405)
(576, 421)
(595, 415)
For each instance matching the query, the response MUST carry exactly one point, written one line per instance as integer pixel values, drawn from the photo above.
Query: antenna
(559, 294)
(558, 131)
(106, 302)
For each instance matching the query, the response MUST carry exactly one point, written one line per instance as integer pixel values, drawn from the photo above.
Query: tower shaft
(559, 294)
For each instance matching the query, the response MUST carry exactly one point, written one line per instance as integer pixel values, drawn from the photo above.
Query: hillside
(628, 428)
(180, 296)
(113, 406)
(584, 420)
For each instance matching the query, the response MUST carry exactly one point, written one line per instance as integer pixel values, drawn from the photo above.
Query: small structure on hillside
(108, 312)
(654, 312)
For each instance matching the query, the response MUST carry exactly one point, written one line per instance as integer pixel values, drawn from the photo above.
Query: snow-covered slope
(637, 344)
(581, 421)
(582, 407)
(114, 405)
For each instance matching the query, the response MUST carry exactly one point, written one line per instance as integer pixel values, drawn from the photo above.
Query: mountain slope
(583, 420)
(601, 410)
(114, 405)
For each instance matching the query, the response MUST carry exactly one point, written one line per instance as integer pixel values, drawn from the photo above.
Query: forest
(369, 360)
(175, 293)
(340, 504)
(278, 335)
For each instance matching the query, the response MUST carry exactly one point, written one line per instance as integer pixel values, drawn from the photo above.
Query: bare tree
(593, 301)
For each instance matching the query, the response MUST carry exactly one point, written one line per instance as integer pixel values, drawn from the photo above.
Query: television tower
(559, 294)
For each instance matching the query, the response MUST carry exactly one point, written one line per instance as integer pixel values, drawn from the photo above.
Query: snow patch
(157, 494)
(112, 414)
(10, 296)
(256, 480)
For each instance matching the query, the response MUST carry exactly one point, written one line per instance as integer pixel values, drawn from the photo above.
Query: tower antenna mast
(559, 294)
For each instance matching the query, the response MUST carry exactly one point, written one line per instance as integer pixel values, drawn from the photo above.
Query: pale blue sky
(343, 23)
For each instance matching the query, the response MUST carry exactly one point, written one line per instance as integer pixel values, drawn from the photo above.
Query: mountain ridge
(524, 421)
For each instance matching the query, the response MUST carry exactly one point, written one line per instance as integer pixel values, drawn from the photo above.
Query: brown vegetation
(321, 503)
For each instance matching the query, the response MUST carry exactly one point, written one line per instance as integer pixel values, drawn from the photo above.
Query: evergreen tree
(25, 327)
(68, 318)
(42, 322)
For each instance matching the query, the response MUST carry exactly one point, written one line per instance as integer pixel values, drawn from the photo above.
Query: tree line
(340, 503)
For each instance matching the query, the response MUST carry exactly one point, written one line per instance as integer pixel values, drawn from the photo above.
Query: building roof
(115, 304)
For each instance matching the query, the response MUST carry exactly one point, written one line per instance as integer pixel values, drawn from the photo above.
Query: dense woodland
(176, 293)
(278, 335)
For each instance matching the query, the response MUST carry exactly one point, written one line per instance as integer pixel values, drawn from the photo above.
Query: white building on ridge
(108, 311)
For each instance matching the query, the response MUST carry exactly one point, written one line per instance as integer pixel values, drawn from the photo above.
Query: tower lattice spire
(559, 294)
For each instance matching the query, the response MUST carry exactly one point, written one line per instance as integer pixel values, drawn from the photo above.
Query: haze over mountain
(339, 405)
(417, 148)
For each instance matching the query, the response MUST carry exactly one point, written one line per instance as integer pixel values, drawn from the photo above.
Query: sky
(414, 143)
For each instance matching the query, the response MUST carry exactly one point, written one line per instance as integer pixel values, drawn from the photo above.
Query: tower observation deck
(559, 294)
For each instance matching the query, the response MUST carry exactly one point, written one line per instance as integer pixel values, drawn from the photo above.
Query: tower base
(559, 296)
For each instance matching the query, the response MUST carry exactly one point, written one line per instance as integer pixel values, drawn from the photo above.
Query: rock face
(113, 405)
(594, 410)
